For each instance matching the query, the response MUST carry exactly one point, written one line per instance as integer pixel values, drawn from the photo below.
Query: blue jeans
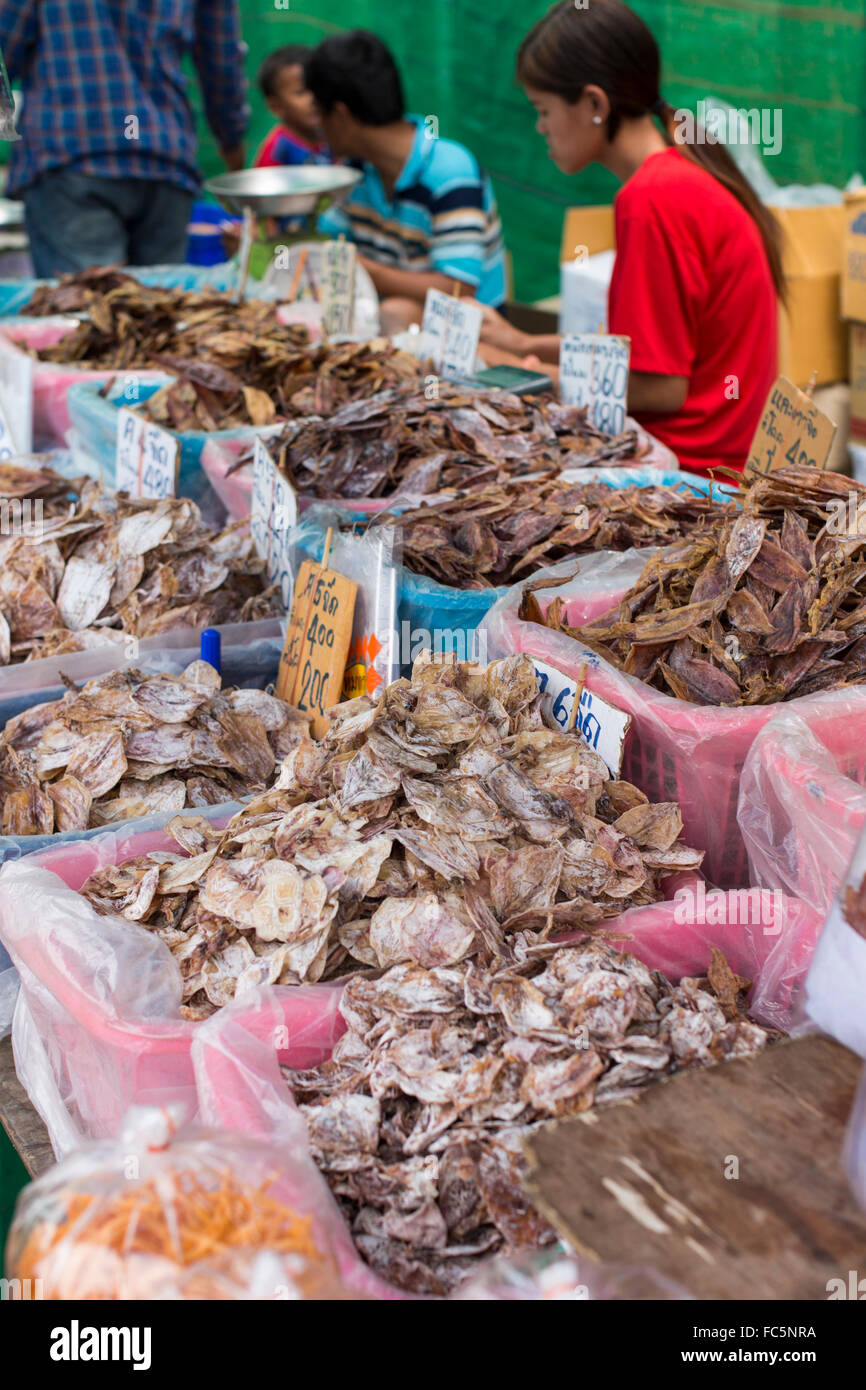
(75, 220)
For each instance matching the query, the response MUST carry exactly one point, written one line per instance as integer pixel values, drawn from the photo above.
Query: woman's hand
(497, 332)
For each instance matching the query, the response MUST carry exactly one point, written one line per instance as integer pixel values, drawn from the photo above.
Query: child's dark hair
(607, 45)
(291, 56)
(357, 68)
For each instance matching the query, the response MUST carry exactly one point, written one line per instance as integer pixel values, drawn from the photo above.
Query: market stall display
(355, 856)
(127, 744)
(111, 568)
(767, 608)
(492, 533)
(418, 1119)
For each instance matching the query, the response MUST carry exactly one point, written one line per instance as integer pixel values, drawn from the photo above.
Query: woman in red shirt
(698, 267)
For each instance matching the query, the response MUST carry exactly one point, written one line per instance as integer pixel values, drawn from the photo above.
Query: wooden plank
(20, 1121)
(645, 1182)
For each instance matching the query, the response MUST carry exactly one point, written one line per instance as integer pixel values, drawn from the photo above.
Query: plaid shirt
(103, 88)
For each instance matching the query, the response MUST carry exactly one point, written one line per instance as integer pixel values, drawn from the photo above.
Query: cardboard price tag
(793, 432)
(16, 405)
(453, 327)
(313, 662)
(274, 514)
(147, 457)
(593, 372)
(602, 726)
(339, 287)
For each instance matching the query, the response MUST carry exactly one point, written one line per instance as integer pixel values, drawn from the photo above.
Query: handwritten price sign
(274, 514)
(146, 457)
(16, 405)
(793, 432)
(453, 328)
(339, 287)
(603, 726)
(593, 372)
(319, 632)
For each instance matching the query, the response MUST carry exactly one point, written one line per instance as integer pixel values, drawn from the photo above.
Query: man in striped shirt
(423, 214)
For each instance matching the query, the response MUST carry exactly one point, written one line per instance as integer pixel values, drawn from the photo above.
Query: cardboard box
(858, 383)
(835, 401)
(854, 262)
(812, 336)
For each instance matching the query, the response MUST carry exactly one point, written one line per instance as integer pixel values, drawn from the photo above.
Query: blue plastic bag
(94, 419)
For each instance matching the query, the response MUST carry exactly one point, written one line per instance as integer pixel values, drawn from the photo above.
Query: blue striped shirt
(104, 90)
(442, 217)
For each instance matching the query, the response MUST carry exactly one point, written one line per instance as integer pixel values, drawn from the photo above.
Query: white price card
(16, 404)
(340, 260)
(274, 514)
(146, 457)
(453, 327)
(603, 726)
(593, 372)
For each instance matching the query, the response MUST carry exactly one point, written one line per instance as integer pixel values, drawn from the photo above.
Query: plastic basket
(678, 751)
(52, 380)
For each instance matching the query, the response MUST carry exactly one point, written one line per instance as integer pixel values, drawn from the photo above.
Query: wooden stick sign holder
(317, 642)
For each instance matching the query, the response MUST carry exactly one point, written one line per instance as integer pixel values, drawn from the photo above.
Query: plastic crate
(675, 750)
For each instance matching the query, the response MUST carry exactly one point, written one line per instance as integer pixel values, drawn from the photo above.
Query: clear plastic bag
(97, 1025)
(197, 1214)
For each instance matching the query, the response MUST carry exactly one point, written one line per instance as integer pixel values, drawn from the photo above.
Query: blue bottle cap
(210, 648)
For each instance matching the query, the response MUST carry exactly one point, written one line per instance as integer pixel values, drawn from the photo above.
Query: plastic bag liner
(94, 419)
(52, 380)
(674, 750)
(237, 1071)
(250, 657)
(372, 561)
(835, 992)
(800, 815)
(15, 295)
(160, 1213)
(97, 1026)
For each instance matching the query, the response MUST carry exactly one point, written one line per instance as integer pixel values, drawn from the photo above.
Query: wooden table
(20, 1121)
(728, 1180)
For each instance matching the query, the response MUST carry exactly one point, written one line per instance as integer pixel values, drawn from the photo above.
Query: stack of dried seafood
(113, 567)
(440, 819)
(768, 607)
(132, 325)
(417, 1119)
(240, 382)
(402, 439)
(53, 493)
(128, 744)
(78, 291)
(493, 533)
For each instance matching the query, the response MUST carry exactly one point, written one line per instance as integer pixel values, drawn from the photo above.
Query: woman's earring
(596, 120)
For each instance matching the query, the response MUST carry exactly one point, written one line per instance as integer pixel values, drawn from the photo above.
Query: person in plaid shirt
(106, 166)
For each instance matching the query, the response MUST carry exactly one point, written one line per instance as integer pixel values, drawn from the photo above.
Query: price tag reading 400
(793, 432)
(593, 372)
(146, 457)
(317, 643)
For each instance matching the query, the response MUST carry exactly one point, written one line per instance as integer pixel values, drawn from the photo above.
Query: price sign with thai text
(316, 649)
(593, 372)
(147, 457)
(793, 432)
(274, 514)
(453, 327)
(602, 726)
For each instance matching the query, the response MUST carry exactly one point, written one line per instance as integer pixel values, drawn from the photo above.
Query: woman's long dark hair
(607, 45)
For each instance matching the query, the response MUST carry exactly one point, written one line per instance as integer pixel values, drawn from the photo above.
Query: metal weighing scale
(280, 192)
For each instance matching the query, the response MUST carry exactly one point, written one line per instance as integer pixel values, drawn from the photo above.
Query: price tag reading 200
(317, 643)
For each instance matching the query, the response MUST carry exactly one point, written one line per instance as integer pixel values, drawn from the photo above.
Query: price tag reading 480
(317, 642)
(593, 372)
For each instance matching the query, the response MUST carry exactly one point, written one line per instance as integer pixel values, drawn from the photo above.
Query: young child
(297, 139)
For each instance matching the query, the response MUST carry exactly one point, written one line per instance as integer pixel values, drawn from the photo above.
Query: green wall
(457, 56)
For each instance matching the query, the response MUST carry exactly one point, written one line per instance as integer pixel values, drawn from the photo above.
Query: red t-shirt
(692, 288)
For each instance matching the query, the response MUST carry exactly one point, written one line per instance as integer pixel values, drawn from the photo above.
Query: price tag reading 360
(593, 372)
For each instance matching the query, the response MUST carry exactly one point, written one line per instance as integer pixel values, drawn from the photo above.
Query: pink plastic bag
(238, 1074)
(674, 750)
(51, 380)
(800, 815)
(97, 1026)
